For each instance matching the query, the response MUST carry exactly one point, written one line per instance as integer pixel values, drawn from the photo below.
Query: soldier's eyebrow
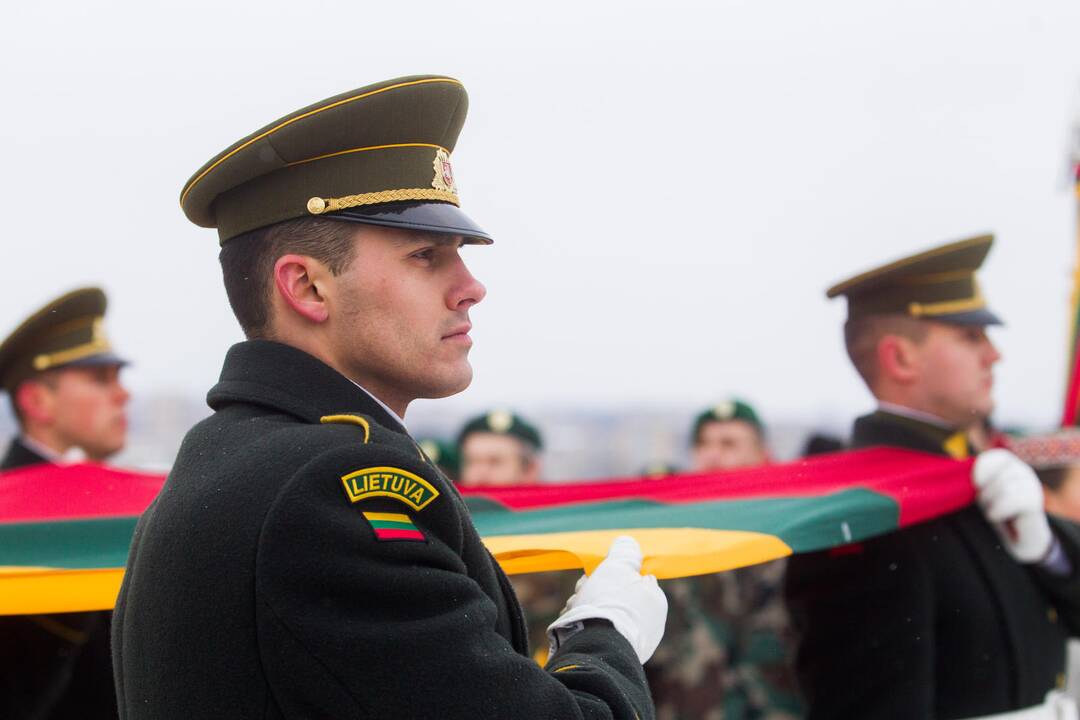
(427, 238)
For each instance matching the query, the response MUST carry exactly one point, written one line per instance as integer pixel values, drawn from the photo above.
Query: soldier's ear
(896, 359)
(298, 283)
(35, 402)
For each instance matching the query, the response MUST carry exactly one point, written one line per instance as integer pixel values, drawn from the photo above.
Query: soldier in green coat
(963, 616)
(62, 377)
(305, 558)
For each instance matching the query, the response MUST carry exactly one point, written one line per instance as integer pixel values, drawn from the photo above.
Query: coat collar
(281, 377)
(20, 455)
(885, 428)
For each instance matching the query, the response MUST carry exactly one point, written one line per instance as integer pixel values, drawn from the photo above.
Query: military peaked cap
(938, 284)
(378, 155)
(502, 422)
(69, 331)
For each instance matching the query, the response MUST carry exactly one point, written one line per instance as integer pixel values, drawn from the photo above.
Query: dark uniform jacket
(53, 666)
(284, 572)
(933, 621)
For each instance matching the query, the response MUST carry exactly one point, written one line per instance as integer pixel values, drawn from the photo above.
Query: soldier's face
(496, 460)
(956, 372)
(85, 407)
(401, 316)
(728, 445)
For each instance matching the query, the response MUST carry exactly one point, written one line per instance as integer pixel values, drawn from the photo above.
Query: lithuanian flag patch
(393, 526)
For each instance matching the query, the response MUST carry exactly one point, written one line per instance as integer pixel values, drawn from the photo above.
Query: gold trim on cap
(50, 360)
(948, 307)
(366, 149)
(316, 111)
(318, 205)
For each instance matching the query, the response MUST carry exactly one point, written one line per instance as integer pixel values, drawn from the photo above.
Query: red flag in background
(1072, 384)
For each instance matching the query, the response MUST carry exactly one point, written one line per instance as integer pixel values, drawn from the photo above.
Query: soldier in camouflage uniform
(501, 449)
(727, 647)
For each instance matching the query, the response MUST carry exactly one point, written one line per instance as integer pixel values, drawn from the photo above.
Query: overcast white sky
(671, 186)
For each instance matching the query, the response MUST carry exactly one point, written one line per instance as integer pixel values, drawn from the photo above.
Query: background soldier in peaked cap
(967, 615)
(305, 558)
(62, 378)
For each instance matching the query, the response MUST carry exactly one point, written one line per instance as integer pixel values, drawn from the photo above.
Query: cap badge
(444, 173)
(500, 421)
(431, 449)
(724, 411)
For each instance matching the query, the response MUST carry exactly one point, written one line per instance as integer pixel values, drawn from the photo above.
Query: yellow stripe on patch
(393, 517)
(564, 668)
(38, 591)
(668, 552)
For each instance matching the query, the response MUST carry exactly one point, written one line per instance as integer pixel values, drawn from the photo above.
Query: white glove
(1011, 498)
(618, 592)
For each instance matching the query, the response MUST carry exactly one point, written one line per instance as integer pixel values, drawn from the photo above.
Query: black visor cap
(436, 217)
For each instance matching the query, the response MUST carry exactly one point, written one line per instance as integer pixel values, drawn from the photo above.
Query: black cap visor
(97, 360)
(981, 317)
(436, 217)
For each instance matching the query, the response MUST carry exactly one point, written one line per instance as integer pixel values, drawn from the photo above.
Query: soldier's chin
(451, 383)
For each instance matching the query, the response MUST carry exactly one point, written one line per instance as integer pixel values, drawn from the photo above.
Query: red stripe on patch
(386, 534)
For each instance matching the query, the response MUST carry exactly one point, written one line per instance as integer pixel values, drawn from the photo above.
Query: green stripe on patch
(391, 525)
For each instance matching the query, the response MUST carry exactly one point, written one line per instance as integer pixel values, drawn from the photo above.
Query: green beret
(444, 454)
(502, 422)
(937, 284)
(727, 411)
(68, 331)
(378, 154)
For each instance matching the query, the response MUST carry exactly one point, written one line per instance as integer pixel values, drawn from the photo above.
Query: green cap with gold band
(378, 155)
(67, 332)
(937, 284)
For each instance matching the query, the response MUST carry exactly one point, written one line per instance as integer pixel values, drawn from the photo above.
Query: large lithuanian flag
(65, 531)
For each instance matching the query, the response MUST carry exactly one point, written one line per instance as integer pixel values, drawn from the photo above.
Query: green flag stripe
(391, 525)
(71, 544)
(805, 524)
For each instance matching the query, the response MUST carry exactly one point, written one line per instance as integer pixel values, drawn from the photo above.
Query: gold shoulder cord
(349, 420)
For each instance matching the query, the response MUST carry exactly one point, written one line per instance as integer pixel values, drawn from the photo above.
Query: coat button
(1052, 615)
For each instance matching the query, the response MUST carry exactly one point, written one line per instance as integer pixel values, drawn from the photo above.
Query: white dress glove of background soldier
(618, 592)
(1011, 498)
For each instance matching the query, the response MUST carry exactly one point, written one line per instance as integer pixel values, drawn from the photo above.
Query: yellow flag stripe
(393, 517)
(57, 591)
(668, 552)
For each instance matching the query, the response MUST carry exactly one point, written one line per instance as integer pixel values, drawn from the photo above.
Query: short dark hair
(862, 335)
(247, 262)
